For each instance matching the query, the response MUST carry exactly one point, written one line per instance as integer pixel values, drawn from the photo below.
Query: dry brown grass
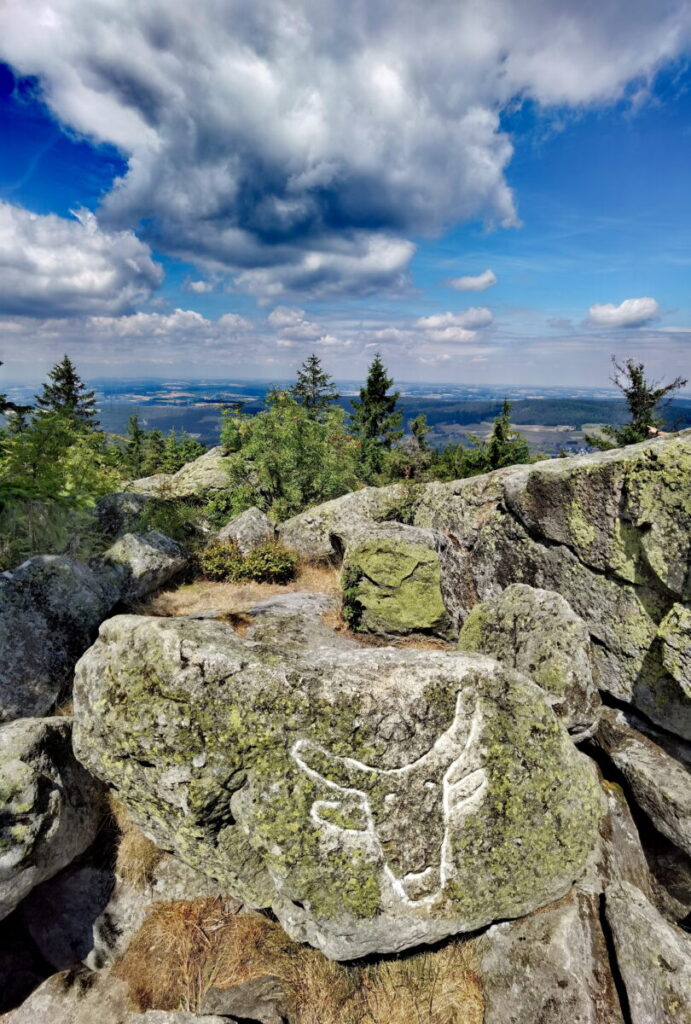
(236, 598)
(185, 948)
(136, 855)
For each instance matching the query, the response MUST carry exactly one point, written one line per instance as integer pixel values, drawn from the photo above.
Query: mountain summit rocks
(376, 799)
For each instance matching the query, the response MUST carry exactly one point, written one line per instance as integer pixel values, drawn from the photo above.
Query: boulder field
(515, 772)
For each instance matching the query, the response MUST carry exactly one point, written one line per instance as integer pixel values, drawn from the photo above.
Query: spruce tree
(314, 388)
(136, 440)
(505, 446)
(375, 421)
(67, 395)
(644, 399)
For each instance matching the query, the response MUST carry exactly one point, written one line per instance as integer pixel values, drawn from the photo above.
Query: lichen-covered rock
(375, 798)
(147, 562)
(50, 609)
(249, 530)
(610, 532)
(551, 967)
(392, 583)
(196, 479)
(538, 633)
(297, 620)
(660, 784)
(653, 956)
(51, 807)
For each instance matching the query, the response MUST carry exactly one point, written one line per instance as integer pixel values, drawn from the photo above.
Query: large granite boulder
(120, 512)
(249, 530)
(610, 532)
(50, 609)
(538, 633)
(51, 806)
(146, 561)
(653, 957)
(375, 798)
(197, 479)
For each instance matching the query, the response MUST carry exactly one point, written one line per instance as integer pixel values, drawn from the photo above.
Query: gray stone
(77, 997)
(147, 561)
(120, 512)
(653, 956)
(249, 530)
(51, 807)
(50, 609)
(197, 479)
(296, 620)
(551, 967)
(538, 633)
(171, 880)
(59, 915)
(375, 798)
(262, 999)
(660, 784)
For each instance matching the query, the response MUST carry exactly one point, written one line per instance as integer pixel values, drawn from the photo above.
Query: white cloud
(198, 287)
(52, 266)
(476, 316)
(474, 284)
(298, 146)
(629, 313)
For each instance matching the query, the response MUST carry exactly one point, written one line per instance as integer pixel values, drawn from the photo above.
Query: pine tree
(314, 388)
(644, 399)
(67, 395)
(155, 449)
(375, 421)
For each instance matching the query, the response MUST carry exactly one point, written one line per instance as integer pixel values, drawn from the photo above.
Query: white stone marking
(462, 793)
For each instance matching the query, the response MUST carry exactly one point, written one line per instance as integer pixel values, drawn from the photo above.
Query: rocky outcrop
(50, 609)
(263, 999)
(537, 632)
(376, 799)
(120, 512)
(297, 620)
(51, 807)
(653, 956)
(197, 479)
(146, 562)
(551, 967)
(610, 532)
(660, 784)
(249, 530)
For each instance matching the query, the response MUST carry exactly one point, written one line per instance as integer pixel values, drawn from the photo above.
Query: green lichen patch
(393, 586)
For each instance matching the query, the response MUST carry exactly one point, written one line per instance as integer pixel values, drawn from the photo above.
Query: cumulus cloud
(474, 284)
(283, 142)
(52, 266)
(476, 316)
(629, 313)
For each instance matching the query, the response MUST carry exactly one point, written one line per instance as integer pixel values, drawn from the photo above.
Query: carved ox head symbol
(403, 815)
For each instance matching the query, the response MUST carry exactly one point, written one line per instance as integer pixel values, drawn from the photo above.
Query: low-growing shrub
(268, 563)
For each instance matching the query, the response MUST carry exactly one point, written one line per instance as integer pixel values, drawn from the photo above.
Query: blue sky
(485, 194)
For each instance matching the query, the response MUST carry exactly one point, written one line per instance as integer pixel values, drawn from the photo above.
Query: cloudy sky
(485, 191)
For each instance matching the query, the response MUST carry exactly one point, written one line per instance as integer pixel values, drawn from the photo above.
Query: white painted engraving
(450, 767)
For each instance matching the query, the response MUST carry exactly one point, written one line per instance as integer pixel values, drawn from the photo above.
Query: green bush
(173, 517)
(268, 563)
(220, 561)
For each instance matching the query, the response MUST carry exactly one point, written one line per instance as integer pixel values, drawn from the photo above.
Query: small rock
(660, 785)
(653, 956)
(538, 633)
(249, 530)
(51, 806)
(263, 999)
(148, 561)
